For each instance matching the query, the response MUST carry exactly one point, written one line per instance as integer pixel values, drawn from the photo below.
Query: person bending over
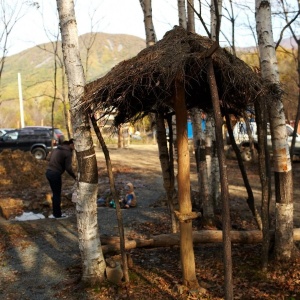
(60, 161)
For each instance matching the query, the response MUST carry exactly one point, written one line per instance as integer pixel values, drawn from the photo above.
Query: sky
(109, 16)
(40, 25)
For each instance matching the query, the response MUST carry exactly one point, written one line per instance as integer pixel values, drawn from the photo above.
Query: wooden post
(184, 194)
(224, 182)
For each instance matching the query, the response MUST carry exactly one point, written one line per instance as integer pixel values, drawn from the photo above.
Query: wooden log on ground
(199, 237)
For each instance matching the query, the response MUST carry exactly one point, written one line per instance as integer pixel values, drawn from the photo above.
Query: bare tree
(149, 27)
(93, 263)
(57, 93)
(231, 17)
(281, 159)
(182, 13)
(165, 157)
(292, 26)
(10, 13)
(89, 40)
(215, 19)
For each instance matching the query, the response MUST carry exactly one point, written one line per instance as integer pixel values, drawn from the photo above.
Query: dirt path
(41, 260)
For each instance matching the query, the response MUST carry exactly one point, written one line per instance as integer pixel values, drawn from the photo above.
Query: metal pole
(21, 101)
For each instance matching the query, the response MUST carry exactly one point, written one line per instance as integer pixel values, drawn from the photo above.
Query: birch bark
(93, 264)
(182, 13)
(281, 158)
(149, 27)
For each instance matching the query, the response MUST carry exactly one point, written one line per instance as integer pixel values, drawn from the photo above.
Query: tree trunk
(199, 148)
(216, 17)
(211, 161)
(298, 106)
(164, 159)
(93, 263)
(149, 27)
(190, 16)
(284, 244)
(115, 195)
(184, 192)
(215, 174)
(224, 183)
(265, 177)
(182, 13)
(250, 199)
(250, 137)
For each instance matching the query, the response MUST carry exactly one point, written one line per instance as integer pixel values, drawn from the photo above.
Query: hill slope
(36, 64)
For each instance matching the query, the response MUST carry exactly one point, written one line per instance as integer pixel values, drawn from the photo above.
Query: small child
(130, 198)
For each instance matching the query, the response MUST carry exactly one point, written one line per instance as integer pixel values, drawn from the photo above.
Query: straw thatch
(145, 83)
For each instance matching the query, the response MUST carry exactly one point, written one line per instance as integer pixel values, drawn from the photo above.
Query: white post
(21, 101)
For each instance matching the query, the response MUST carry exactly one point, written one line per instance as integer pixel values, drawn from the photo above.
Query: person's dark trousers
(55, 181)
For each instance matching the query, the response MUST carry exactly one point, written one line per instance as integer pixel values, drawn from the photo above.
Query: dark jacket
(61, 160)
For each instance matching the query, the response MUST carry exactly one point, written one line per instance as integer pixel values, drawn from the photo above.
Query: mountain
(36, 64)
(286, 43)
(289, 43)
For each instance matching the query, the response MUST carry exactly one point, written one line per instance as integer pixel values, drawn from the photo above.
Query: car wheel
(39, 153)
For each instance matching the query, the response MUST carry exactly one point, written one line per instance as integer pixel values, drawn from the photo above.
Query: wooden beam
(199, 237)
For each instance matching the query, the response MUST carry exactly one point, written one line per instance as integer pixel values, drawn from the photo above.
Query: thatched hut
(145, 83)
(182, 71)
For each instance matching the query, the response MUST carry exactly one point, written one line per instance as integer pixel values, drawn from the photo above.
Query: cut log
(199, 237)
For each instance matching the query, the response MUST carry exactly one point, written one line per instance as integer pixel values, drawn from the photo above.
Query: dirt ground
(41, 260)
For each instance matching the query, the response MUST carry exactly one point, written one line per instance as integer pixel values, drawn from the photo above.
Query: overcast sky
(115, 16)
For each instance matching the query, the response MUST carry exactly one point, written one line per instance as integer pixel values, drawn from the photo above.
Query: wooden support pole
(184, 192)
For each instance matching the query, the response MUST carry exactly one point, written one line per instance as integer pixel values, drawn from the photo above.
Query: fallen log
(199, 237)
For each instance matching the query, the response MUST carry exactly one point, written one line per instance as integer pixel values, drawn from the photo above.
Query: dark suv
(37, 140)
(55, 132)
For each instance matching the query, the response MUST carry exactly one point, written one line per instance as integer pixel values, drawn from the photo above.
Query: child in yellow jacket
(130, 198)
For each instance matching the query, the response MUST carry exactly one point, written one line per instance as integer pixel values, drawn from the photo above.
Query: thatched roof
(145, 83)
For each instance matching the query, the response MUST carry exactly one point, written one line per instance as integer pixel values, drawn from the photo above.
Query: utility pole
(21, 101)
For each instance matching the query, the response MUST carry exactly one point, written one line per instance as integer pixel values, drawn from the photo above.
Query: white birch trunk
(190, 16)
(215, 19)
(182, 13)
(198, 139)
(212, 165)
(214, 182)
(149, 27)
(93, 264)
(281, 157)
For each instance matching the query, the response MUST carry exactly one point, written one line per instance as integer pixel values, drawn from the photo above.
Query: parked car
(37, 140)
(242, 139)
(57, 134)
(4, 130)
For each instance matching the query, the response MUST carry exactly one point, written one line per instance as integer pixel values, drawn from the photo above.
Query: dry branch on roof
(145, 83)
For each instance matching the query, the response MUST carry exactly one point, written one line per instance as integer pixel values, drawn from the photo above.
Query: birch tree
(182, 13)
(281, 157)
(167, 166)
(198, 134)
(215, 27)
(149, 27)
(93, 264)
(215, 19)
(11, 12)
(292, 25)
